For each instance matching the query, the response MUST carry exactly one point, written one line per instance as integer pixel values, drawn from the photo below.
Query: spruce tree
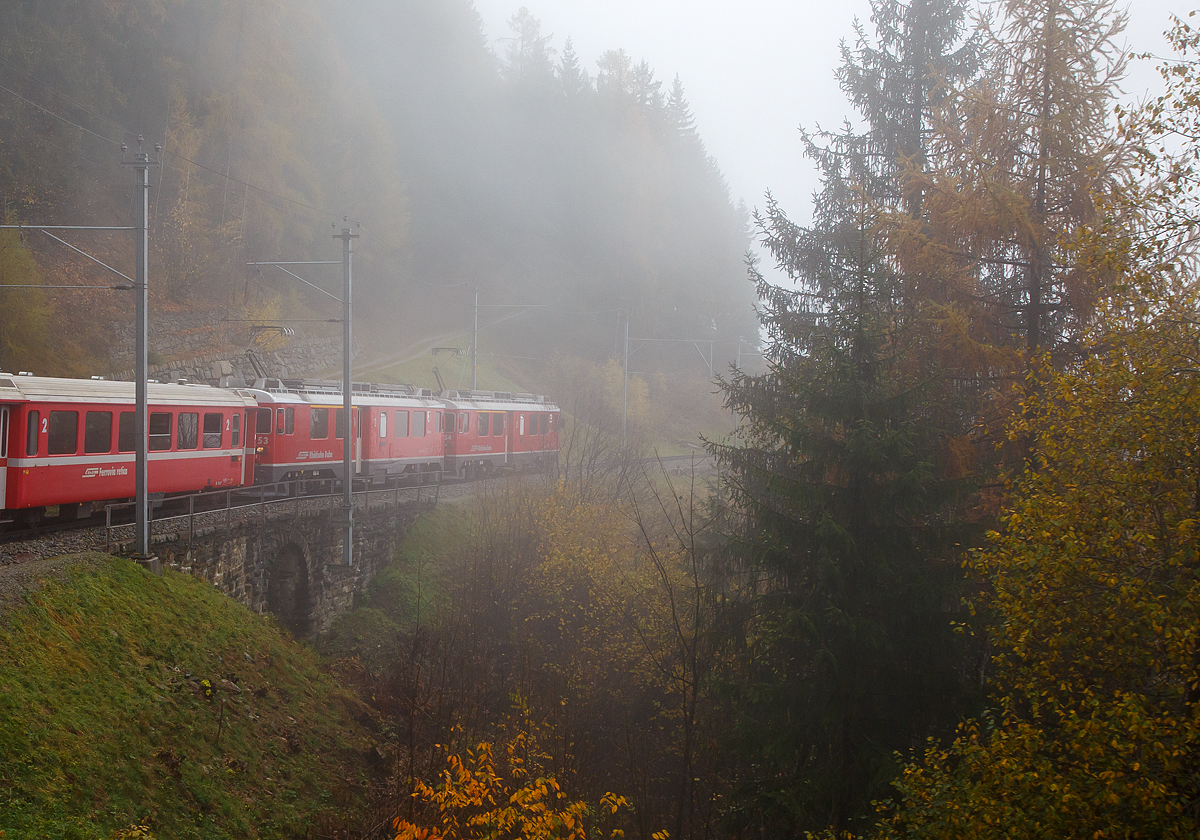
(847, 475)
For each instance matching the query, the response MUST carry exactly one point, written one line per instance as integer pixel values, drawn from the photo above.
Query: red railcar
(71, 441)
(396, 430)
(490, 430)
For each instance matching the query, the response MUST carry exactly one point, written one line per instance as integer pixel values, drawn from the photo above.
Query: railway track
(108, 529)
(100, 533)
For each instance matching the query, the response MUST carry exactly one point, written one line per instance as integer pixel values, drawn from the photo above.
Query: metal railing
(272, 500)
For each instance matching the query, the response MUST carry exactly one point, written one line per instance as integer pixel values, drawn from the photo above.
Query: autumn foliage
(1095, 600)
(478, 797)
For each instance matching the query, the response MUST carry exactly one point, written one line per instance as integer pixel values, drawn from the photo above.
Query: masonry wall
(196, 346)
(291, 563)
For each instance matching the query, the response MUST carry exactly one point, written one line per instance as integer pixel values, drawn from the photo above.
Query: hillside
(586, 191)
(127, 699)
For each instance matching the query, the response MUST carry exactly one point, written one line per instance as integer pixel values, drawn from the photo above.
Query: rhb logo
(105, 472)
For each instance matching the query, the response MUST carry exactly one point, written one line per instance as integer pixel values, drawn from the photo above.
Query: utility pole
(350, 429)
(625, 386)
(141, 164)
(475, 341)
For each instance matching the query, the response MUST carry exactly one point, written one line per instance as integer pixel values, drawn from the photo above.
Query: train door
(358, 438)
(4, 412)
(377, 446)
(249, 448)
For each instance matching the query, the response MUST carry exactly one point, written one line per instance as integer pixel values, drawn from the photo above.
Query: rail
(270, 498)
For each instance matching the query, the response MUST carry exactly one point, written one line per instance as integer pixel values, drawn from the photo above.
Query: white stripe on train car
(124, 458)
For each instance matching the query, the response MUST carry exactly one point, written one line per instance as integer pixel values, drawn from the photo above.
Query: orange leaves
(477, 798)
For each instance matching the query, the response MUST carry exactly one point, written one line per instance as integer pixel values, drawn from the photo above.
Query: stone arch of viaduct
(290, 564)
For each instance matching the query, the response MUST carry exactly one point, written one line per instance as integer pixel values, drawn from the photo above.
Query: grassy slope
(105, 718)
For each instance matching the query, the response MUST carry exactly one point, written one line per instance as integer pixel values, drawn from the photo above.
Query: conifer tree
(848, 478)
(529, 58)
(572, 78)
(1016, 162)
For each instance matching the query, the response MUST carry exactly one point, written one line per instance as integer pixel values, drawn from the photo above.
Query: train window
(64, 433)
(383, 424)
(318, 423)
(236, 434)
(126, 438)
(418, 424)
(545, 424)
(3, 432)
(464, 423)
(339, 422)
(401, 424)
(498, 424)
(160, 431)
(483, 423)
(285, 423)
(97, 431)
(31, 434)
(188, 430)
(262, 421)
(212, 430)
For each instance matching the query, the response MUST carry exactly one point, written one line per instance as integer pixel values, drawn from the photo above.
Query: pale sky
(755, 70)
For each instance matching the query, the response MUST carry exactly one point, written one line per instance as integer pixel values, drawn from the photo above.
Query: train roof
(497, 401)
(54, 389)
(329, 392)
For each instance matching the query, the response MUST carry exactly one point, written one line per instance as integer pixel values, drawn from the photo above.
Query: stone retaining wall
(301, 358)
(197, 346)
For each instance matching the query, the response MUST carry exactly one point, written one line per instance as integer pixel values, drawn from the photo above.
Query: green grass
(127, 697)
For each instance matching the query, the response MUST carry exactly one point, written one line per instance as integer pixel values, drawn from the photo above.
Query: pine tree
(849, 478)
(572, 78)
(529, 58)
(897, 82)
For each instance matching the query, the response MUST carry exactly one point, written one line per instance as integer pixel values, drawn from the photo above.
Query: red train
(70, 442)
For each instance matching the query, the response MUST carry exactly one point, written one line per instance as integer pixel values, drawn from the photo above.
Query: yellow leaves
(611, 802)
(407, 831)
(469, 796)
(138, 831)
(1096, 603)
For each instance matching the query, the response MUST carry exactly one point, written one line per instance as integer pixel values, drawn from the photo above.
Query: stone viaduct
(284, 555)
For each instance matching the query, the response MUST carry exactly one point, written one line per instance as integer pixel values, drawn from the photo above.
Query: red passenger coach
(489, 430)
(300, 431)
(70, 441)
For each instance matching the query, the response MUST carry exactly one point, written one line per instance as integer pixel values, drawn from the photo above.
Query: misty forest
(934, 570)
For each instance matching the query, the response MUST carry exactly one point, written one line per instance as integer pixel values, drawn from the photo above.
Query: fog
(757, 70)
(467, 153)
